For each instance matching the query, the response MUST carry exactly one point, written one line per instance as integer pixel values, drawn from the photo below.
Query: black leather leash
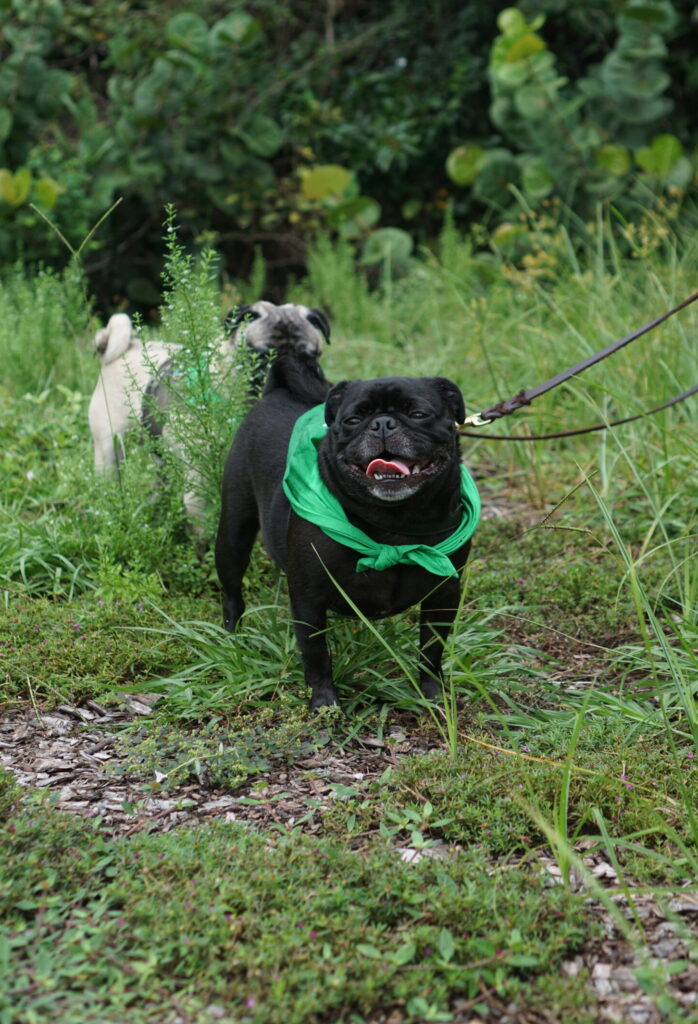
(522, 397)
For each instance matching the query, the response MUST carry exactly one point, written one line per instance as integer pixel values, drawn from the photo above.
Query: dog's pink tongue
(381, 466)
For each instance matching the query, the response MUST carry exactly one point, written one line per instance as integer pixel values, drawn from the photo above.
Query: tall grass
(44, 322)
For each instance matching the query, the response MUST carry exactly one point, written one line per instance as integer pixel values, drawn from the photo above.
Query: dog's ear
(334, 400)
(452, 396)
(239, 314)
(318, 319)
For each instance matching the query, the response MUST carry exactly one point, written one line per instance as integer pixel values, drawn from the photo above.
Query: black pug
(372, 510)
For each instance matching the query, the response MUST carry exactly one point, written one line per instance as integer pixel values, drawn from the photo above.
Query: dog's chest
(379, 594)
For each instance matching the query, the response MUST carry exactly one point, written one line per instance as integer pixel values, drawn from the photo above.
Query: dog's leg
(437, 615)
(109, 452)
(233, 549)
(195, 503)
(310, 625)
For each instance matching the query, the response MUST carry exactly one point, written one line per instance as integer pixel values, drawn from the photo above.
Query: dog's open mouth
(395, 469)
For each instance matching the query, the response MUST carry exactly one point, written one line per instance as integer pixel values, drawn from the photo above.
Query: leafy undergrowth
(497, 789)
(276, 927)
(88, 648)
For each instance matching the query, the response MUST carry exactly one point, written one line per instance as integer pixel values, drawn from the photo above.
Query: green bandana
(311, 499)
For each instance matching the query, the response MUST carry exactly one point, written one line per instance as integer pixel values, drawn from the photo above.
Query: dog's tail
(116, 338)
(300, 375)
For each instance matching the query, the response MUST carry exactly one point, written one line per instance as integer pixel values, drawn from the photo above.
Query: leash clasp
(476, 420)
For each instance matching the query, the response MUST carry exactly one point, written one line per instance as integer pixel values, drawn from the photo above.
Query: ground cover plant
(399, 862)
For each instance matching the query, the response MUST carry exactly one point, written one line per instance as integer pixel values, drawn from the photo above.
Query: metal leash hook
(476, 420)
(522, 397)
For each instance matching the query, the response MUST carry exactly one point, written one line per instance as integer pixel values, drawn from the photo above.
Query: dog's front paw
(431, 688)
(323, 697)
(232, 610)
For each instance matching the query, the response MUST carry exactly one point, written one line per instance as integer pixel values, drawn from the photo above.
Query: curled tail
(116, 338)
(300, 375)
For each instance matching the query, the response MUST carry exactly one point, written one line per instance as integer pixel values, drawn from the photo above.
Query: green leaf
(44, 963)
(681, 174)
(355, 217)
(463, 163)
(522, 960)
(660, 156)
(446, 945)
(188, 32)
(47, 191)
(236, 29)
(369, 951)
(404, 954)
(511, 75)
(524, 47)
(536, 178)
(411, 208)
(14, 188)
(534, 101)
(613, 158)
(23, 184)
(661, 16)
(511, 21)
(5, 123)
(508, 238)
(325, 180)
(263, 136)
(391, 244)
(498, 171)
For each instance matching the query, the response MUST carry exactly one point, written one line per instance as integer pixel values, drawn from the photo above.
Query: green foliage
(219, 113)
(267, 124)
(91, 925)
(485, 794)
(89, 648)
(44, 320)
(584, 140)
(209, 388)
(167, 757)
(10, 794)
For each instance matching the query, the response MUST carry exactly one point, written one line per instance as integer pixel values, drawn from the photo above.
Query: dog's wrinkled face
(263, 326)
(392, 436)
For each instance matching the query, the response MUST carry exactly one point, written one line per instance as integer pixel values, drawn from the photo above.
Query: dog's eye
(351, 421)
(417, 414)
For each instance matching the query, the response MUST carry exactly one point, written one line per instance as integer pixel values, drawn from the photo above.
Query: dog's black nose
(383, 425)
